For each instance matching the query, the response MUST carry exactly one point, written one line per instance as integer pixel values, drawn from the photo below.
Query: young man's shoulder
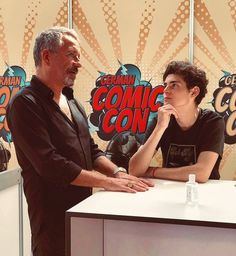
(211, 116)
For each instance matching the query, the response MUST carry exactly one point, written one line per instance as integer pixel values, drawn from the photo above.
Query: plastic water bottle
(191, 190)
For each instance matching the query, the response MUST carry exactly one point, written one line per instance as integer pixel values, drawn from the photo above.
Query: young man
(191, 139)
(60, 161)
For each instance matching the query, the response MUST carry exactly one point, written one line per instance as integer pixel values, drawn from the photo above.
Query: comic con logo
(13, 79)
(123, 102)
(225, 104)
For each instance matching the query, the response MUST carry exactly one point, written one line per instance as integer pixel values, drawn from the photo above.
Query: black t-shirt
(182, 148)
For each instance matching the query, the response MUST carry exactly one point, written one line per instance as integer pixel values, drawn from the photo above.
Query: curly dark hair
(192, 75)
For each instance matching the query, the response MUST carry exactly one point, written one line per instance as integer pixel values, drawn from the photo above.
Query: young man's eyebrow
(175, 81)
(171, 82)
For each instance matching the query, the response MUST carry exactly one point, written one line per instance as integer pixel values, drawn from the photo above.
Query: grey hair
(50, 39)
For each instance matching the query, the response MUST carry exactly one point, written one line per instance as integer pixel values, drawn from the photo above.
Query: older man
(60, 161)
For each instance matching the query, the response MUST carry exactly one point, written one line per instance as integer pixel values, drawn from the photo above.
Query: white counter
(146, 223)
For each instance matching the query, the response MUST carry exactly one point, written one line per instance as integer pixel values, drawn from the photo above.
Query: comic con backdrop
(125, 47)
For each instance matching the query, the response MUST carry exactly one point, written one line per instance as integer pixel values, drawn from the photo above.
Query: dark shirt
(183, 147)
(52, 151)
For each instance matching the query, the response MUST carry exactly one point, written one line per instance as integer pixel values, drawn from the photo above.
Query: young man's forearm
(202, 169)
(141, 160)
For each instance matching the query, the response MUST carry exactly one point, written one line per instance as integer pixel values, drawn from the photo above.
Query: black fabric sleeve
(95, 151)
(213, 136)
(28, 126)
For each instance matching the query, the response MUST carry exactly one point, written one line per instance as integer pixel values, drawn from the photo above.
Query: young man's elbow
(203, 177)
(133, 170)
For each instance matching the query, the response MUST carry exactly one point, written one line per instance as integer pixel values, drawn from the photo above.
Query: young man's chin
(166, 102)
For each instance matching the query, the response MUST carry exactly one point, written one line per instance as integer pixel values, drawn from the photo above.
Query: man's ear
(195, 91)
(45, 56)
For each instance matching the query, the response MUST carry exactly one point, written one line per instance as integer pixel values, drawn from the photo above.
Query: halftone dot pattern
(146, 74)
(201, 46)
(181, 16)
(158, 159)
(83, 71)
(62, 15)
(85, 29)
(115, 65)
(182, 45)
(232, 6)
(62, 20)
(228, 149)
(199, 64)
(212, 85)
(29, 28)
(3, 43)
(88, 58)
(205, 20)
(110, 16)
(145, 26)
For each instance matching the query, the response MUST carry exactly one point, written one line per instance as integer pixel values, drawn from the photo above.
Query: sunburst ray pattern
(206, 51)
(30, 23)
(201, 65)
(232, 6)
(173, 56)
(205, 20)
(62, 15)
(180, 18)
(3, 43)
(110, 15)
(80, 20)
(145, 26)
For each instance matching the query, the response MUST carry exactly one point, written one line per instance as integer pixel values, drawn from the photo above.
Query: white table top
(165, 203)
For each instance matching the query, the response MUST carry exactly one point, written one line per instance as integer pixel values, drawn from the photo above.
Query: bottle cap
(192, 177)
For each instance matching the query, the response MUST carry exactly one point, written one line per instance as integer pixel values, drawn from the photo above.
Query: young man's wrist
(151, 172)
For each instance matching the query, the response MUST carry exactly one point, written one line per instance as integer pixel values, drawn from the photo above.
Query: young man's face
(176, 92)
(66, 61)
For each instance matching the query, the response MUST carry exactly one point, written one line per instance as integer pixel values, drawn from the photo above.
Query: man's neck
(187, 116)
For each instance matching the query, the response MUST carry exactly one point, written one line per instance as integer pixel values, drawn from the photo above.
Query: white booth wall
(14, 221)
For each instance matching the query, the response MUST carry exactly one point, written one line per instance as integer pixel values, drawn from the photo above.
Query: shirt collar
(68, 92)
(44, 90)
(47, 92)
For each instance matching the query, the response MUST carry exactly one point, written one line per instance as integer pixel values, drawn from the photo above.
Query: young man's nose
(167, 89)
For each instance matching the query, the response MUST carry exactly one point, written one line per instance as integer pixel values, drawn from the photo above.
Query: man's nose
(76, 61)
(78, 64)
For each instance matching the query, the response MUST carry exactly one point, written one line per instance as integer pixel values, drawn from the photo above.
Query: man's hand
(142, 181)
(125, 185)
